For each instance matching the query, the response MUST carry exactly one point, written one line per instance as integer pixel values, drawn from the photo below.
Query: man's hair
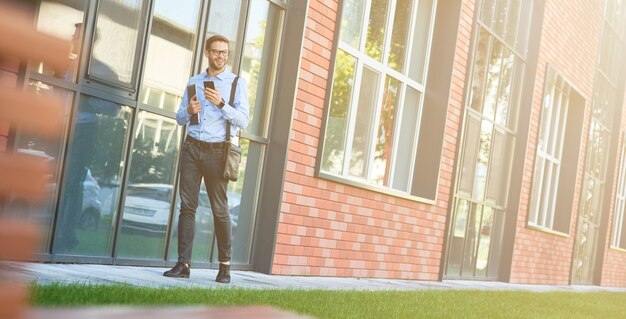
(214, 38)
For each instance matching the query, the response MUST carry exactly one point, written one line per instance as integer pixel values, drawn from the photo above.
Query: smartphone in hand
(209, 84)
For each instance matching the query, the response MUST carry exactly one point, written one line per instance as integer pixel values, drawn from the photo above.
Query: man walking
(204, 150)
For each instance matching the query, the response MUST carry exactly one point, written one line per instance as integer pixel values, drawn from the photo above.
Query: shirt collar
(224, 75)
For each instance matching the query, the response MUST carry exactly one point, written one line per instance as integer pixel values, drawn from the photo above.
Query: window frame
(540, 214)
(383, 72)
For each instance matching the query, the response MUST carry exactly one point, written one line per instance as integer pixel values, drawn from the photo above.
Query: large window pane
(146, 214)
(407, 132)
(260, 62)
(63, 19)
(376, 29)
(115, 41)
(91, 183)
(172, 39)
(470, 155)
(351, 22)
(224, 20)
(494, 76)
(337, 120)
(399, 34)
(50, 149)
(386, 128)
(506, 81)
(479, 71)
(421, 40)
(362, 131)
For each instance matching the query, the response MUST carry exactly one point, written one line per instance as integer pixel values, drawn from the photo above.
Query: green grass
(350, 304)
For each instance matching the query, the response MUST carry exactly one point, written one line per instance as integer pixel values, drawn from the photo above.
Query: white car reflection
(147, 209)
(91, 207)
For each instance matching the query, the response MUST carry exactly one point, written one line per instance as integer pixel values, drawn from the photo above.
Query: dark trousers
(200, 160)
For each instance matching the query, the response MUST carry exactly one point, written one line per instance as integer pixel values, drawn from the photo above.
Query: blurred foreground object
(26, 177)
(20, 175)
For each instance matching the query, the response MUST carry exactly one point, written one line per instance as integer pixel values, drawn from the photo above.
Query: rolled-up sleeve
(182, 116)
(239, 113)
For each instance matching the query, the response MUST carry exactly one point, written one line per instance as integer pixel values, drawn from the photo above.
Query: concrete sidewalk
(203, 278)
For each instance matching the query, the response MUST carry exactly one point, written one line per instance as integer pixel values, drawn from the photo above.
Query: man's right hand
(194, 106)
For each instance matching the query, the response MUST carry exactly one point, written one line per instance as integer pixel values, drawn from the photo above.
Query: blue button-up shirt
(212, 126)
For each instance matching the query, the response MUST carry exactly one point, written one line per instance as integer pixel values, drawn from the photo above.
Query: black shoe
(181, 270)
(223, 276)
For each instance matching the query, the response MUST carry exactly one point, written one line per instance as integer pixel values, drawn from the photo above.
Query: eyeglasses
(218, 52)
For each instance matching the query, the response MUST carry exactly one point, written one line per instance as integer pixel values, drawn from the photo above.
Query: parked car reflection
(147, 209)
(91, 207)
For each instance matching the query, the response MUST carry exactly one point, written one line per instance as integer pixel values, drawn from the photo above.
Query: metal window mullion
(352, 112)
(493, 34)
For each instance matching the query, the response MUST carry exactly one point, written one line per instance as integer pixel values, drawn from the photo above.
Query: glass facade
(114, 193)
(490, 123)
(601, 132)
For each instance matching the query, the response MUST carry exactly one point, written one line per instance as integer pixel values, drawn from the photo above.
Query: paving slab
(46, 273)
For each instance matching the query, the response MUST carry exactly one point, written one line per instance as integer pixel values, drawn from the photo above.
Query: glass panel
(535, 214)
(63, 19)
(399, 35)
(92, 178)
(497, 163)
(506, 81)
(224, 19)
(242, 198)
(362, 131)
(471, 241)
(421, 39)
(493, 80)
(146, 214)
(337, 123)
(512, 24)
(457, 239)
(404, 156)
(172, 39)
(49, 149)
(260, 62)
(516, 90)
(496, 243)
(351, 22)
(500, 18)
(115, 41)
(480, 71)
(484, 242)
(470, 153)
(482, 165)
(385, 135)
(487, 12)
(376, 29)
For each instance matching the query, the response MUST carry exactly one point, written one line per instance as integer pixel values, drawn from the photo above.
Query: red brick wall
(332, 229)
(570, 43)
(8, 78)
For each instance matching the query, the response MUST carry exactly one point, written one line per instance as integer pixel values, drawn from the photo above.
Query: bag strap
(233, 89)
